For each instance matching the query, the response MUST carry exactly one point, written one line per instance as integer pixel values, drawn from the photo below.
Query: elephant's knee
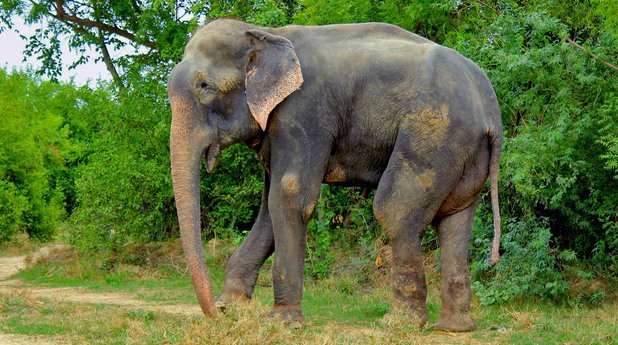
(382, 215)
(290, 185)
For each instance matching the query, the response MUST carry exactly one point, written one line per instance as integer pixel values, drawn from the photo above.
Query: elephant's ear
(272, 73)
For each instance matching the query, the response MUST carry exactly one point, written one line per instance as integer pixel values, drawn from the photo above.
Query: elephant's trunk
(186, 149)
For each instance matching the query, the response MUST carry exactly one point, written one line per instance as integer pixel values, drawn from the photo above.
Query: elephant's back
(360, 32)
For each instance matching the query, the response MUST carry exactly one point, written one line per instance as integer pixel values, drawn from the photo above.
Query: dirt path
(11, 265)
(80, 295)
(21, 339)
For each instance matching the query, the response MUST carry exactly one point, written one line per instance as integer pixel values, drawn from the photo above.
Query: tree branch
(592, 54)
(100, 41)
(108, 60)
(87, 34)
(64, 17)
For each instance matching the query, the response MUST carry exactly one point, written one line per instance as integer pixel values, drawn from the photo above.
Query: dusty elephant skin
(355, 104)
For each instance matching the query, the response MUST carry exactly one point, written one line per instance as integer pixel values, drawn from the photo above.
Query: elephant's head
(231, 77)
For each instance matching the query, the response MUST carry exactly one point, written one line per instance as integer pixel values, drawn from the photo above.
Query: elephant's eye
(205, 87)
(205, 92)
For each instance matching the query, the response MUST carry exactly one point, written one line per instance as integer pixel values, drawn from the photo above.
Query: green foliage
(343, 218)
(231, 195)
(261, 12)
(35, 150)
(528, 266)
(124, 191)
(124, 188)
(12, 207)
(430, 18)
(319, 12)
(608, 113)
(556, 103)
(319, 258)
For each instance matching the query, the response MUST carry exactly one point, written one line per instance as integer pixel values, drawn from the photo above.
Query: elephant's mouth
(212, 154)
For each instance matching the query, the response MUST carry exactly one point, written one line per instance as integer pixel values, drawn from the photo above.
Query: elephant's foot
(455, 323)
(410, 291)
(291, 315)
(228, 297)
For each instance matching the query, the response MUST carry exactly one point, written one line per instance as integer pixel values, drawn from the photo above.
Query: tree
(155, 30)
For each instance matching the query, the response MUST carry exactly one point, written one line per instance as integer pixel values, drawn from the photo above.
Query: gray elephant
(356, 105)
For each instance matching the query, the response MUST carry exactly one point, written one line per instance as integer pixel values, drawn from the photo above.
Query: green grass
(82, 323)
(337, 310)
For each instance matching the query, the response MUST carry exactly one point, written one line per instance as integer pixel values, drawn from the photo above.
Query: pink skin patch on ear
(261, 105)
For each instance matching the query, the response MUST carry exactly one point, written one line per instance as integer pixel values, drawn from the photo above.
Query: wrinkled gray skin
(357, 105)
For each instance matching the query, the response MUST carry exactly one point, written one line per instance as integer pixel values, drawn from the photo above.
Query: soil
(10, 266)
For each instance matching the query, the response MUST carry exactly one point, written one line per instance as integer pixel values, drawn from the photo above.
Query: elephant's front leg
(290, 207)
(297, 172)
(245, 263)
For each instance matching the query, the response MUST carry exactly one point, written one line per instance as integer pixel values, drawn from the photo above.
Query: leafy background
(91, 165)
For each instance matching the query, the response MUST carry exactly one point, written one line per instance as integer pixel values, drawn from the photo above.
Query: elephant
(367, 104)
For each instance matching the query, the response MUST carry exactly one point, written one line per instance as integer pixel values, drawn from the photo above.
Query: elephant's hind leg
(453, 235)
(407, 199)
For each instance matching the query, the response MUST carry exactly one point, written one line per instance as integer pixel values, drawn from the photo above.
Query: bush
(343, 218)
(35, 148)
(231, 195)
(527, 268)
(123, 189)
(12, 207)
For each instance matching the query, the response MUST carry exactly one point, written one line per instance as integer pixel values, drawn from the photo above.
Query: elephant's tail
(495, 140)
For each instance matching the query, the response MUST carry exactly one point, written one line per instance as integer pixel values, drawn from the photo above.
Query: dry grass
(524, 319)
(19, 245)
(248, 323)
